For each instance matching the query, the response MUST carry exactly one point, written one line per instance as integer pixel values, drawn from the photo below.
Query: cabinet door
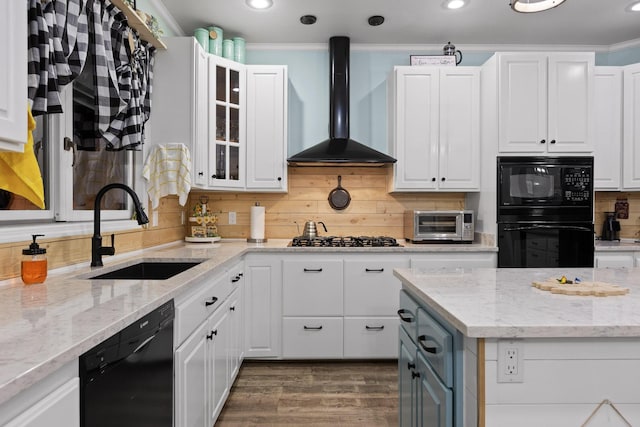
(435, 401)
(191, 380)
(459, 143)
(570, 102)
(631, 150)
(263, 306)
(217, 336)
(266, 127)
(522, 102)
(607, 136)
(614, 260)
(199, 155)
(13, 77)
(416, 128)
(61, 408)
(226, 123)
(236, 329)
(407, 389)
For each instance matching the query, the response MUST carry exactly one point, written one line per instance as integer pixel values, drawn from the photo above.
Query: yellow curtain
(20, 173)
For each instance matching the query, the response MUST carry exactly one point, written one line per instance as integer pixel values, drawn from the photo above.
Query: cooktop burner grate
(345, 242)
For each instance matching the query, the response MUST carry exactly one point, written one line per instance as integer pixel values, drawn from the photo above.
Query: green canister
(215, 40)
(238, 49)
(202, 36)
(227, 49)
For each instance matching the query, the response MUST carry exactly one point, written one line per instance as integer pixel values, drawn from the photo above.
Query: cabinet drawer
(312, 337)
(436, 345)
(371, 337)
(195, 309)
(312, 288)
(408, 314)
(371, 289)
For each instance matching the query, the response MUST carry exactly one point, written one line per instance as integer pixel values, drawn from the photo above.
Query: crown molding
(167, 18)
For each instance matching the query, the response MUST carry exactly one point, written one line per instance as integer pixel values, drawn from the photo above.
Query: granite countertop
(501, 303)
(45, 326)
(617, 246)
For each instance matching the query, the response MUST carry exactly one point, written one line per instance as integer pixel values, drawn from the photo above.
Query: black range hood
(339, 149)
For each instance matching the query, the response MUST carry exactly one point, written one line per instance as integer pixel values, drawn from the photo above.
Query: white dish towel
(168, 171)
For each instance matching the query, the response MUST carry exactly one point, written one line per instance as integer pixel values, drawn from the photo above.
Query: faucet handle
(109, 250)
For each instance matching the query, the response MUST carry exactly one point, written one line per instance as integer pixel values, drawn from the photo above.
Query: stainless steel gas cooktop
(345, 242)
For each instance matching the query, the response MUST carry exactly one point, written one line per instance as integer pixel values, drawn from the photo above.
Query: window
(72, 175)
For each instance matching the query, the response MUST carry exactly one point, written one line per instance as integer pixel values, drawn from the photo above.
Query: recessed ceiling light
(308, 19)
(455, 4)
(260, 4)
(635, 7)
(530, 6)
(375, 20)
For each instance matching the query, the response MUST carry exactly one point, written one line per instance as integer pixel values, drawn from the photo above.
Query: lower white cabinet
(615, 259)
(455, 260)
(312, 338)
(370, 337)
(61, 408)
(263, 305)
(208, 359)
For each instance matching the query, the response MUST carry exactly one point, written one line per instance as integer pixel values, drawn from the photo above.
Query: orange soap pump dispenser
(33, 268)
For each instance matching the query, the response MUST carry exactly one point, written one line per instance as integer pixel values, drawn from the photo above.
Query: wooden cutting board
(598, 289)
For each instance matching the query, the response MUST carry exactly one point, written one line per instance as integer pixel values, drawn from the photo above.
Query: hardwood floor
(313, 394)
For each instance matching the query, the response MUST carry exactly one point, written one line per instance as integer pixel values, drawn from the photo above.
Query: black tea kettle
(450, 50)
(610, 227)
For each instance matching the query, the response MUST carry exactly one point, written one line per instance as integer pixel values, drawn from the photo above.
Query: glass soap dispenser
(33, 268)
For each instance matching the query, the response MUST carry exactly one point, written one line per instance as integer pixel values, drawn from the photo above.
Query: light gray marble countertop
(615, 246)
(501, 303)
(45, 326)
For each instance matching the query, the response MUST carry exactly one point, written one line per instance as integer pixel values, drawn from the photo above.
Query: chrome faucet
(97, 250)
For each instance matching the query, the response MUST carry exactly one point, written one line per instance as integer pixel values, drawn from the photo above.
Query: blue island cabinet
(430, 377)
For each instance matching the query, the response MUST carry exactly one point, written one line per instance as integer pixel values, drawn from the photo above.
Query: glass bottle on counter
(33, 268)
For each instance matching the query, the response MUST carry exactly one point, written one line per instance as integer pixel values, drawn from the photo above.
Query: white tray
(202, 239)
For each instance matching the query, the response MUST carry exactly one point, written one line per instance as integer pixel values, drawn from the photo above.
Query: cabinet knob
(415, 374)
(210, 336)
(443, 179)
(214, 176)
(279, 178)
(232, 308)
(433, 179)
(200, 173)
(411, 366)
(543, 141)
(553, 141)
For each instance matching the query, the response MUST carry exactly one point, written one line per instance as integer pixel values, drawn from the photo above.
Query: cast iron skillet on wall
(339, 198)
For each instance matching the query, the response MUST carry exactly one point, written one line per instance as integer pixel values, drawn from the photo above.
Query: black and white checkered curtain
(61, 35)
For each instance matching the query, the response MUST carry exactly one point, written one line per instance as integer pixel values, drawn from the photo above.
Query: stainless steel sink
(148, 270)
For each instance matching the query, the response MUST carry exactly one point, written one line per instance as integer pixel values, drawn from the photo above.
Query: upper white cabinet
(233, 117)
(180, 101)
(435, 128)
(631, 145)
(13, 76)
(607, 136)
(545, 102)
(266, 127)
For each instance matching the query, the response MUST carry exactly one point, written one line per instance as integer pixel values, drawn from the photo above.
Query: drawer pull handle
(312, 328)
(374, 270)
(312, 270)
(213, 301)
(403, 318)
(235, 279)
(433, 350)
(374, 328)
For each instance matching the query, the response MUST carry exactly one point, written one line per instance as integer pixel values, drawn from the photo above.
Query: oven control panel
(576, 184)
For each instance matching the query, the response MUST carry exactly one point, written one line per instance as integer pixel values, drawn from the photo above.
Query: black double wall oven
(545, 212)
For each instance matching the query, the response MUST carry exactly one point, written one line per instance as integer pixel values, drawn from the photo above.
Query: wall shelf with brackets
(138, 24)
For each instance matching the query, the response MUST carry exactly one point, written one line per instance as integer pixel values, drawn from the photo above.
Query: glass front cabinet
(227, 141)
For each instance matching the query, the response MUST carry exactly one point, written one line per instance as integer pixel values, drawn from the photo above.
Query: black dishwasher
(127, 380)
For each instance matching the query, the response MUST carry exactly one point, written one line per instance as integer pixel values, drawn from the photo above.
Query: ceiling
(481, 22)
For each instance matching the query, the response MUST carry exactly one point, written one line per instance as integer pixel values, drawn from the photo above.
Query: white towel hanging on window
(168, 171)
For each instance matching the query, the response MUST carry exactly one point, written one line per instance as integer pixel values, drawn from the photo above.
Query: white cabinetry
(545, 102)
(455, 260)
(263, 305)
(266, 127)
(615, 259)
(631, 163)
(607, 102)
(435, 128)
(180, 101)
(13, 76)
(61, 408)
(207, 356)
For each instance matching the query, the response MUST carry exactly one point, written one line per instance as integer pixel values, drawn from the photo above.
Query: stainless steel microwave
(439, 226)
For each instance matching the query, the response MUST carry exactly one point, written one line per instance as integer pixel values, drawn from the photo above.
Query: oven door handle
(549, 227)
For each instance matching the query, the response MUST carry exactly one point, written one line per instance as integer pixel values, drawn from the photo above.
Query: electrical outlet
(232, 218)
(510, 361)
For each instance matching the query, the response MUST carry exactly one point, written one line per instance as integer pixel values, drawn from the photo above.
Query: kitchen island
(571, 352)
